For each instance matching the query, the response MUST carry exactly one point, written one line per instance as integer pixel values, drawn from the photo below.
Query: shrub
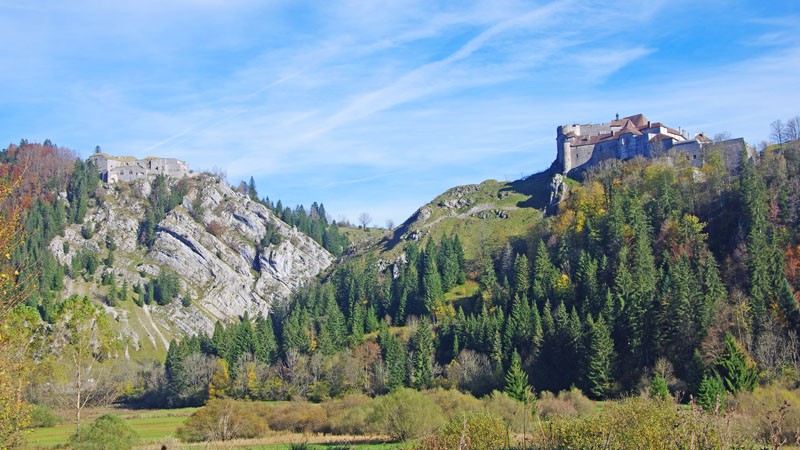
(405, 414)
(472, 432)
(107, 432)
(216, 228)
(223, 420)
(769, 414)
(43, 417)
(510, 411)
(297, 416)
(455, 403)
(350, 414)
(570, 403)
(638, 423)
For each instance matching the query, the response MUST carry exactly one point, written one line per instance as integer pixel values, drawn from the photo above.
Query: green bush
(455, 403)
(350, 415)
(472, 432)
(43, 417)
(107, 432)
(768, 414)
(638, 423)
(406, 414)
(512, 412)
(570, 403)
(297, 416)
(223, 420)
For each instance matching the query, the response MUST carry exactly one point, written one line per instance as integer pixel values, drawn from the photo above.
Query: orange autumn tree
(14, 412)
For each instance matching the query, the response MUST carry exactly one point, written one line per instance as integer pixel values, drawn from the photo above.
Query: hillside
(213, 243)
(485, 216)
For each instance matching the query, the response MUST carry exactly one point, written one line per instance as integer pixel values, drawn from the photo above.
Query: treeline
(650, 268)
(313, 222)
(316, 346)
(47, 170)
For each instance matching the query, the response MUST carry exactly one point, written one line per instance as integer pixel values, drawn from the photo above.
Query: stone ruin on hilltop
(583, 146)
(127, 168)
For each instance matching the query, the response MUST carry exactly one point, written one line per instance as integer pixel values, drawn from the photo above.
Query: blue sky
(379, 106)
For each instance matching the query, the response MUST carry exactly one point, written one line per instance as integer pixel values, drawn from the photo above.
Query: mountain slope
(483, 215)
(230, 255)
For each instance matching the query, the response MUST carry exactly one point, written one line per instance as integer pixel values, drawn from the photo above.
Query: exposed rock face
(558, 191)
(211, 242)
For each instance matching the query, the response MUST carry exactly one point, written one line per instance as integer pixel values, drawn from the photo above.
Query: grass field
(158, 427)
(152, 425)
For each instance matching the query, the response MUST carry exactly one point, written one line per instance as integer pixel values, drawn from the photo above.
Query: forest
(652, 278)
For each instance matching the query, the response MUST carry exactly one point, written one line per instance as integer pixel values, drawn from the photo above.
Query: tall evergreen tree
(516, 381)
(423, 356)
(600, 356)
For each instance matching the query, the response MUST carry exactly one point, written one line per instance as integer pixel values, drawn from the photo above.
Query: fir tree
(516, 385)
(737, 372)
(600, 359)
(423, 356)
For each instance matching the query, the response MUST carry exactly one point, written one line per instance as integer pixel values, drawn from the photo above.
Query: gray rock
(224, 273)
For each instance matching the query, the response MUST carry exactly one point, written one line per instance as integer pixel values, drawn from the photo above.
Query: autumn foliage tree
(14, 413)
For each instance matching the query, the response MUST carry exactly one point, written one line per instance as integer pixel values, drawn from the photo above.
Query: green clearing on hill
(483, 215)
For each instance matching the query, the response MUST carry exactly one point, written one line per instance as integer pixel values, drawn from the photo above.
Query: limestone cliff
(210, 241)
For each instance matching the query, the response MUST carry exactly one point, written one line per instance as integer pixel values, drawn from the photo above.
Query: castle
(583, 146)
(127, 168)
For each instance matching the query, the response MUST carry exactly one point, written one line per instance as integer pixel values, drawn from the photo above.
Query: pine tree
(752, 192)
(658, 388)
(734, 367)
(423, 356)
(251, 189)
(520, 281)
(516, 379)
(395, 357)
(431, 281)
(711, 395)
(266, 345)
(588, 286)
(600, 354)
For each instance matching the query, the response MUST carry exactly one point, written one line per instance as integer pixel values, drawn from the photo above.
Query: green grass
(152, 425)
(467, 290)
(486, 216)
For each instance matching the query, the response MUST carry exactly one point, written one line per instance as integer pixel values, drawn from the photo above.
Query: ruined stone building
(586, 145)
(127, 168)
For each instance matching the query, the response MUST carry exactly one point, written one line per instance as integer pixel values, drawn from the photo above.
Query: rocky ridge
(210, 241)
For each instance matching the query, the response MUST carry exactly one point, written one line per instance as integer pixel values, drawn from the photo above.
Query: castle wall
(127, 169)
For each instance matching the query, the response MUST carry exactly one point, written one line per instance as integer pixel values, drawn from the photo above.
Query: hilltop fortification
(583, 146)
(127, 168)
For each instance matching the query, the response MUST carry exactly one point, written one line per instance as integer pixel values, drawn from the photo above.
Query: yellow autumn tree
(220, 382)
(14, 412)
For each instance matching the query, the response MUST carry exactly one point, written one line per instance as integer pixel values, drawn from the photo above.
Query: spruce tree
(520, 281)
(423, 356)
(601, 355)
(734, 367)
(431, 281)
(516, 381)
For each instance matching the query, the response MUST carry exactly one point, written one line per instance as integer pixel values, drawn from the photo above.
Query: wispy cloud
(379, 106)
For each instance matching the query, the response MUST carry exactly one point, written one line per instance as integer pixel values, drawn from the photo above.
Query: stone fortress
(114, 169)
(583, 146)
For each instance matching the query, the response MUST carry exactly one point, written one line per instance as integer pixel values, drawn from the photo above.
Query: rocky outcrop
(558, 191)
(212, 242)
